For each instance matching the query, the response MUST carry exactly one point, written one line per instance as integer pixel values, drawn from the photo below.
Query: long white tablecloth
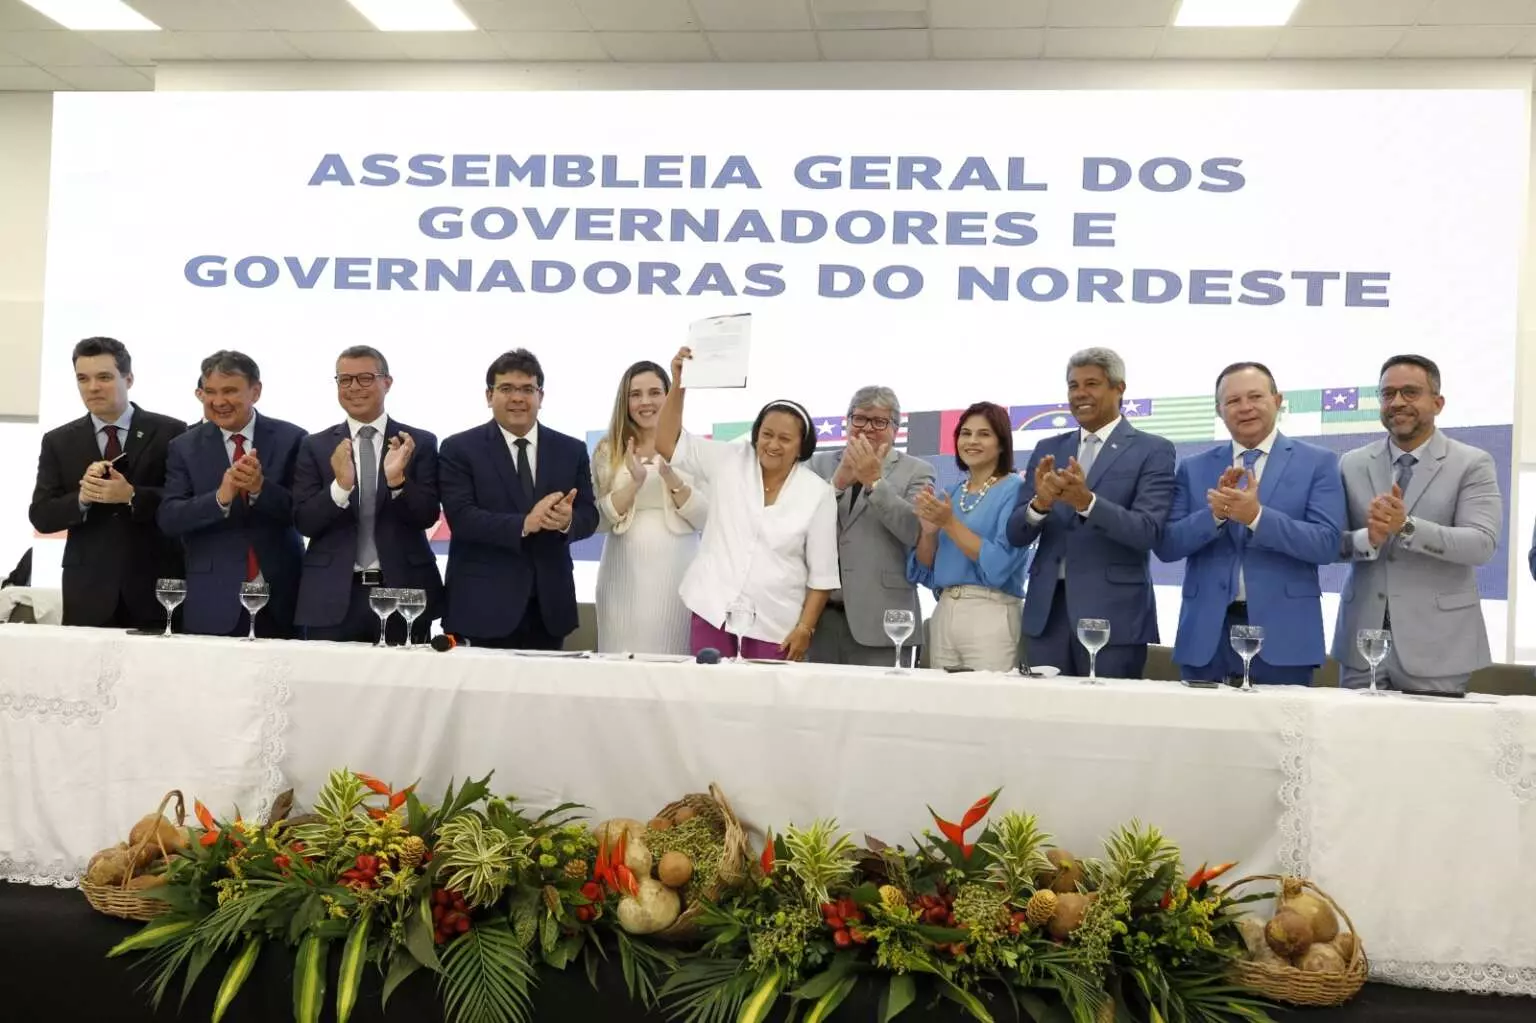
(1418, 815)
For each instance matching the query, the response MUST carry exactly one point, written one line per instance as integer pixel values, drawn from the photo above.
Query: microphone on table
(443, 642)
(708, 655)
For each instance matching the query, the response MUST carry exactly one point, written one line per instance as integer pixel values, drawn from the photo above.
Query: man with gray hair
(876, 528)
(1096, 499)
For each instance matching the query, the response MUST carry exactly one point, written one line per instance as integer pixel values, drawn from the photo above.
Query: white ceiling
(35, 54)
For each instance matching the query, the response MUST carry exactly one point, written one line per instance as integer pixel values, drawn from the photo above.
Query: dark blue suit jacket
(399, 529)
(215, 543)
(492, 567)
(1108, 574)
(1303, 501)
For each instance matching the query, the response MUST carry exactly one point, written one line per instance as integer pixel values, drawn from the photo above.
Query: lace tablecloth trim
(1510, 756)
(57, 874)
(1478, 978)
(21, 702)
(274, 689)
(1296, 819)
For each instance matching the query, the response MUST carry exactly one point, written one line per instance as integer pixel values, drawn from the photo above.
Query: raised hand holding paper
(721, 346)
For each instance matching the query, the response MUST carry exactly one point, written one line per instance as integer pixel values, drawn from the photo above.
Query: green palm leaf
(487, 977)
(707, 990)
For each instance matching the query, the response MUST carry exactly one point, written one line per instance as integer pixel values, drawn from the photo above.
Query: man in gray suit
(876, 527)
(1424, 512)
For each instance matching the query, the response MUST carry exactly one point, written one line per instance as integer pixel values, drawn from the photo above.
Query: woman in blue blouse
(963, 552)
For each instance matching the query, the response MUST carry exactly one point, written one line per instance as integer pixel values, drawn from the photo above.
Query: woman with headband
(768, 556)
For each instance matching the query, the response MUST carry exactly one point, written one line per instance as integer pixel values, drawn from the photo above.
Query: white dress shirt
(1258, 475)
(248, 431)
(532, 437)
(344, 497)
(768, 554)
(122, 424)
(1103, 432)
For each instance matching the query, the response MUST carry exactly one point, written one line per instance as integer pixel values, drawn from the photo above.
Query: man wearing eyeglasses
(365, 493)
(517, 495)
(1424, 512)
(876, 528)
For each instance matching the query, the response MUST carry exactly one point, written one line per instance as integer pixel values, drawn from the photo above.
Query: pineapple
(1042, 906)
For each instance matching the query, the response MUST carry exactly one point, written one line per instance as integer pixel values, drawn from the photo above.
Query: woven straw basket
(734, 860)
(1286, 983)
(118, 899)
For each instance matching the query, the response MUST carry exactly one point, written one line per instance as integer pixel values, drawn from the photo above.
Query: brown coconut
(110, 866)
(675, 869)
(660, 824)
(683, 814)
(1345, 943)
(1251, 928)
(1289, 933)
(1322, 958)
(1320, 915)
(143, 881)
(1070, 909)
(1066, 873)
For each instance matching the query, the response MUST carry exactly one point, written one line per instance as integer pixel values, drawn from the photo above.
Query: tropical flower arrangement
(484, 894)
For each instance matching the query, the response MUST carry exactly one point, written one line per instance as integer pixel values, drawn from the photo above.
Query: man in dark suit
(365, 493)
(229, 498)
(516, 495)
(1096, 499)
(100, 478)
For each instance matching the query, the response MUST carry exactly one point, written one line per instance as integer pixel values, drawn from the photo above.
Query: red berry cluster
(450, 916)
(1017, 923)
(842, 916)
(939, 911)
(593, 893)
(363, 873)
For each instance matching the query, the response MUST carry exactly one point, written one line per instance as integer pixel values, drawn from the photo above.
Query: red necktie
(252, 570)
(113, 448)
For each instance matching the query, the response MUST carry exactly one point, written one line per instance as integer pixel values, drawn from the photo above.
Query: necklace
(965, 492)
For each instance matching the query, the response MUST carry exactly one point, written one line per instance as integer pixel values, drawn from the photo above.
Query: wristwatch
(1407, 531)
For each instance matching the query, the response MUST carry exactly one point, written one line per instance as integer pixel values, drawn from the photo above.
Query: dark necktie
(113, 448)
(1405, 464)
(524, 470)
(252, 568)
(853, 494)
(1240, 537)
(367, 492)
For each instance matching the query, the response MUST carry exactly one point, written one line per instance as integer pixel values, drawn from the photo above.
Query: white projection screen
(956, 246)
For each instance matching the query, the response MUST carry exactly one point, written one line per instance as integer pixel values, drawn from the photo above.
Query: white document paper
(721, 346)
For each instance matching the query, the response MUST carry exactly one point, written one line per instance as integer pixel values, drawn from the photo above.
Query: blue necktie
(1240, 536)
(1405, 464)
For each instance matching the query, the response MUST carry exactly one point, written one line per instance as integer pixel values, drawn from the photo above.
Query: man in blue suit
(1254, 518)
(365, 493)
(1096, 499)
(516, 495)
(229, 497)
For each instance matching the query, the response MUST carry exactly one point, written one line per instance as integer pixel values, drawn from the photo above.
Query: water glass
(739, 616)
(411, 604)
(1373, 645)
(899, 626)
(254, 597)
(384, 602)
(170, 593)
(1246, 641)
(1093, 633)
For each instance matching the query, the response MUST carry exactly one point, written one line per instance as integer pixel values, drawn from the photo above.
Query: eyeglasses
(521, 390)
(867, 422)
(1388, 394)
(363, 380)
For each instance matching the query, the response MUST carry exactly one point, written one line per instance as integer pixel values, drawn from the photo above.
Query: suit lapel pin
(139, 434)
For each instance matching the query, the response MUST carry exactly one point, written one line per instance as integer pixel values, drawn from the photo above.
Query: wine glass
(411, 604)
(170, 593)
(1373, 645)
(739, 615)
(1093, 633)
(1246, 641)
(383, 601)
(899, 626)
(254, 597)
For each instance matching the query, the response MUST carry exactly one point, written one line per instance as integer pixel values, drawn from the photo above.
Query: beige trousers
(975, 627)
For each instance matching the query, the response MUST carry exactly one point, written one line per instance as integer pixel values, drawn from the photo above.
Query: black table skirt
(53, 966)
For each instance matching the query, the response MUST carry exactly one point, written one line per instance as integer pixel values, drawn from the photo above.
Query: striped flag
(1350, 410)
(1178, 419)
(1302, 413)
(741, 432)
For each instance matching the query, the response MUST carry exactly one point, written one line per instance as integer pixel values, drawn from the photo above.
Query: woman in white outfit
(651, 514)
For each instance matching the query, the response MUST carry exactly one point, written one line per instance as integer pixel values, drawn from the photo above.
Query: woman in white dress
(651, 514)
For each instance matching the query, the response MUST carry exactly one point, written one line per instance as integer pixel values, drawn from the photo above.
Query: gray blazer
(1437, 617)
(873, 539)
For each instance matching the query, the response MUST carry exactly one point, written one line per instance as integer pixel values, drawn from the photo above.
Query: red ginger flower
(956, 832)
